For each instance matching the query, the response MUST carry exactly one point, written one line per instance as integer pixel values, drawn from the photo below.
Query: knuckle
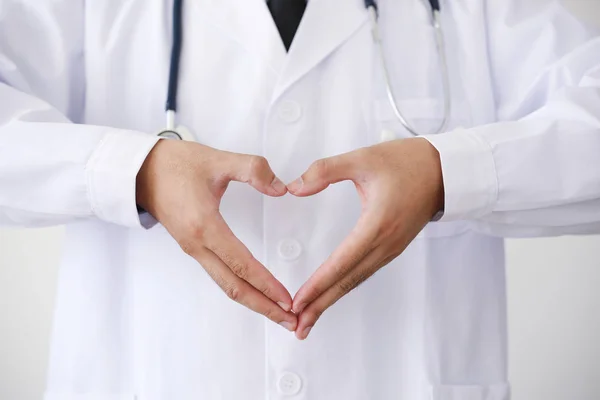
(320, 168)
(196, 230)
(187, 247)
(340, 270)
(266, 291)
(258, 165)
(239, 268)
(346, 286)
(352, 283)
(386, 232)
(271, 314)
(234, 292)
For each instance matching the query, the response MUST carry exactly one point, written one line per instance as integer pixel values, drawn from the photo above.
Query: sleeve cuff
(469, 174)
(111, 174)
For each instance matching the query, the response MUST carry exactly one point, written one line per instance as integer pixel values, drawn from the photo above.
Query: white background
(554, 307)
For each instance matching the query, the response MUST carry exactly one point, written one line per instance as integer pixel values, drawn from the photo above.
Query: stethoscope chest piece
(179, 133)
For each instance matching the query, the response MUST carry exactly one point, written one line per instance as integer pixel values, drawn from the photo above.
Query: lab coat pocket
(89, 396)
(464, 392)
(424, 115)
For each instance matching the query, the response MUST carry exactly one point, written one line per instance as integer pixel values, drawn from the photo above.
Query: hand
(400, 186)
(181, 184)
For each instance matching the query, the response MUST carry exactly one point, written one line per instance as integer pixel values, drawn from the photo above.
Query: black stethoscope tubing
(175, 55)
(435, 4)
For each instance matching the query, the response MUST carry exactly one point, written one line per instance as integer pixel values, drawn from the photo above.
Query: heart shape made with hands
(400, 186)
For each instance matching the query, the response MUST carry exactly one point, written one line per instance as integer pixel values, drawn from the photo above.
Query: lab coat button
(290, 111)
(290, 249)
(289, 384)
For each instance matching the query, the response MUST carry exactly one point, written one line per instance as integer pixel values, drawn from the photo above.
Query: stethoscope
(179, 132)
(172, 131)
(371, 6)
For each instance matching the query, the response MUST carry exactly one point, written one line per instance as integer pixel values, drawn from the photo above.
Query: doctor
(82, 88)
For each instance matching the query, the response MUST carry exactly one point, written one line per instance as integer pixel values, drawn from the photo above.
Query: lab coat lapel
(326, 25)
(248, 22)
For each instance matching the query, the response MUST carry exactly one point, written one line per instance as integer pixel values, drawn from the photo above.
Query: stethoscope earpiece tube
(371, 3)
(171, 106)
(172, 131)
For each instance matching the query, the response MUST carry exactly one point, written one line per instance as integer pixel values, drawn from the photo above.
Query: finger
(363, 271)
(242, 292)
(323, 173)
(357, 245)
(231, 251)
(256, 171)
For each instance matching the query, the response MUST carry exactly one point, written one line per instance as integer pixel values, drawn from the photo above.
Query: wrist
(434, 177)
(145, 176)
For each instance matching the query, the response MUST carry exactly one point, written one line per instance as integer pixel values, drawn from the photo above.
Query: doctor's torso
(138, 319)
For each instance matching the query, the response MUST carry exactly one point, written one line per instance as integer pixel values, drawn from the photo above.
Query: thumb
(321, 174)
(256, 171)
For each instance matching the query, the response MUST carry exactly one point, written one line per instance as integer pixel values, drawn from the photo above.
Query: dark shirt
(287, 15)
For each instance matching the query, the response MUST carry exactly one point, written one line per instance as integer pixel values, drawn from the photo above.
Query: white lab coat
(82, 87)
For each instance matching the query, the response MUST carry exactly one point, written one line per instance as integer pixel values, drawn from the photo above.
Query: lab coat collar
(250, 23)
(326, 25)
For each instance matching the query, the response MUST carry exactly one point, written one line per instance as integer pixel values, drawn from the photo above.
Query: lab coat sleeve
(536, 172)
(53, 170)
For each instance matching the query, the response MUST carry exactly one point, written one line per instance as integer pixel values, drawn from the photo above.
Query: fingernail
(296, 185)
(286, 307)
(288, 325)
(305, 332)
(278, 185)
(298, 309)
